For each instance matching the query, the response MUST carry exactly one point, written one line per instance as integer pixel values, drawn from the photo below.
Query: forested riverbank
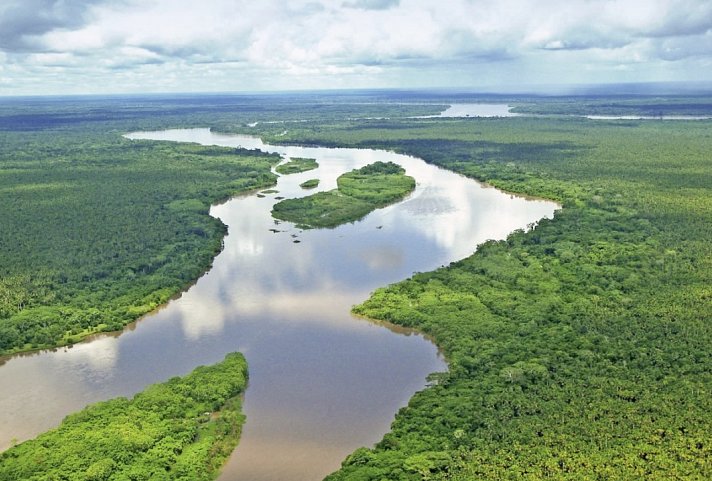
(99, 230)
(182, 429)
(581, 348)
(577, 350)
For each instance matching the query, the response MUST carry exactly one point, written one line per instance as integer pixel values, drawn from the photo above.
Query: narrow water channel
(322, 382)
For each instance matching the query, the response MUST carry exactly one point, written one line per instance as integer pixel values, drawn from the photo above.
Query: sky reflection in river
(474, 110)
(322, 382)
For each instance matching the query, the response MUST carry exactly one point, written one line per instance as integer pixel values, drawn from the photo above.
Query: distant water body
(322, 382)
(474, 110)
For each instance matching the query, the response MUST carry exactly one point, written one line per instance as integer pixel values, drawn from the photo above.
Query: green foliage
(580, 349)
(309, 184)
(620, 106)
(297, 165)
(379, 184)
(183, 429)
(222, 112)
(98, 230)
(358, 192)
(323, 209)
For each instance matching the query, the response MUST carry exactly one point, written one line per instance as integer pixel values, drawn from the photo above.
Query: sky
(132, 46)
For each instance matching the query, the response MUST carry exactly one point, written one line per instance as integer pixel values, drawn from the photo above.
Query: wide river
(322, 382)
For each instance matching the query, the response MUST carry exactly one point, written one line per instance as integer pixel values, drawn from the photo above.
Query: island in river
(296, 165)
(357, 193)
(310, 184)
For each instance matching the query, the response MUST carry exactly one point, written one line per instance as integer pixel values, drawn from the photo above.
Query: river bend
(322, 382)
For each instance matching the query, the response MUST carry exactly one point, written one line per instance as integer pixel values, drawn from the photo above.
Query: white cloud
(267, 44)
(372, 4)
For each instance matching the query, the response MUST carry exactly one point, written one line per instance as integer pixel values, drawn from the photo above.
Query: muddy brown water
(322, 382)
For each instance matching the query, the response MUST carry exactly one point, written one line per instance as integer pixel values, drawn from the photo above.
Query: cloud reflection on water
(286, 306)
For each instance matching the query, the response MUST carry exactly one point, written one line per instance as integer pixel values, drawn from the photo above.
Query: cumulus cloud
(678, 48)
(318, 43)
(680, 19)
(372, 4)
(22, 21)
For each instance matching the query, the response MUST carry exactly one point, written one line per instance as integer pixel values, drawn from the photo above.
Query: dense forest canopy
(98, 230)
(581, 349)
(182, 429)
(578, 350)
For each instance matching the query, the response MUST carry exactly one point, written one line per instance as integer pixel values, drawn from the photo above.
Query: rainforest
(181, 429)
(577, 340)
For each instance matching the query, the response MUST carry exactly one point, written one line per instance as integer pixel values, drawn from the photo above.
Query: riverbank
(578, 348)
(292, 320)
(182, 429)
(127, 234)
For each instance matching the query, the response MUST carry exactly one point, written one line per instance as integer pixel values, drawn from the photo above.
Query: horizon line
(693, 88)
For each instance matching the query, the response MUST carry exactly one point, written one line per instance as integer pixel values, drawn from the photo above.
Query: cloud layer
(179, 45)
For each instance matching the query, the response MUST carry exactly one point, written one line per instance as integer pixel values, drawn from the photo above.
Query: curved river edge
(405, 213)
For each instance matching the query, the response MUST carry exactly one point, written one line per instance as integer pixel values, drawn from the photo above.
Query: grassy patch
(358, 193)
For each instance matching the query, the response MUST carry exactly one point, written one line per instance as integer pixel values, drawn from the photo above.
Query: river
(473, 110)
(322, 382)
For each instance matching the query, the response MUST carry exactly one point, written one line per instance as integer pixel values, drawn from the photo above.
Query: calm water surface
(474, 110)
(322, 382)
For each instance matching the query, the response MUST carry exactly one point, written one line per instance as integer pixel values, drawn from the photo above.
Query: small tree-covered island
(182, 429)
(297, 165)
(310, 184)
(358, 192)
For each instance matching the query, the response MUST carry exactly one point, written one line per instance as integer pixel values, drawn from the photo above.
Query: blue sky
(130, 46)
